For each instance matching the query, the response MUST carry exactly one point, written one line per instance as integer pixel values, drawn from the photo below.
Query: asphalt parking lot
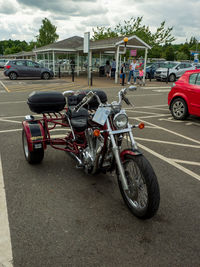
(59, 216)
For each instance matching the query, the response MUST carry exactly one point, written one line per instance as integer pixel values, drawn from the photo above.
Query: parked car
(26, 68)
(184, 97)
(3, 62)
(176, 70)
(151, 68)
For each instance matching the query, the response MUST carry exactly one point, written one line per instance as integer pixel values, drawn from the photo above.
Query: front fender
(133, 152)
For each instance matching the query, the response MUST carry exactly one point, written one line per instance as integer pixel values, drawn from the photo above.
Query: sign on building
(134, 53)
(86, 42)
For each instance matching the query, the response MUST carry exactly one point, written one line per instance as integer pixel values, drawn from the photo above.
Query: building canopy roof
(75, 44)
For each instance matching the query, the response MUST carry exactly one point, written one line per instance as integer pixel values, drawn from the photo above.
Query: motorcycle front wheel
(143, 194)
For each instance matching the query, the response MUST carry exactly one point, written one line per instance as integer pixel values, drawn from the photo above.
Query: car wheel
(13, 76)
(46, 76)
(172, 77)
(179, 109)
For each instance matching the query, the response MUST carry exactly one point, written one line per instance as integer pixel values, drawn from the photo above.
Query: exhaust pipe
(79, 161)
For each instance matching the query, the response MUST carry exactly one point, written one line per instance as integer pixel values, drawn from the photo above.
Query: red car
(184, 97)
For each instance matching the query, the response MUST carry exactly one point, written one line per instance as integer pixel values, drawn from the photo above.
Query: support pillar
(117, 65)
(89, 67)
(53, 54)
(145, 64)
(78, 63)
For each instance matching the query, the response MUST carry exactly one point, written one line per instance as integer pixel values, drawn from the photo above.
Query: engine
(91, 153)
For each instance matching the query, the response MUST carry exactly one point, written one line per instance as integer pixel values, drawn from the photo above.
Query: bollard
(91, 78)
(150, 75)
(123, 79)
(59, 71)
(167, 80)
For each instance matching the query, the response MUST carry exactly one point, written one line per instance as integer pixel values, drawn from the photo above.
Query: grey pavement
(59, 216)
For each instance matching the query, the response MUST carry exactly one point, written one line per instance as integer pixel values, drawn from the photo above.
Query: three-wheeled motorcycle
(98, 136)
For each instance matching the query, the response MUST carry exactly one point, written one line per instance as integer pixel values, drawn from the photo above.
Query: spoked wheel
(179, 109)
(172, 78)
(143, 195)
(13, 76)
(33, 157)
(46, 76)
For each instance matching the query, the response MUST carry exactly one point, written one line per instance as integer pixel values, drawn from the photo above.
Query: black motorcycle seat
(78, 119)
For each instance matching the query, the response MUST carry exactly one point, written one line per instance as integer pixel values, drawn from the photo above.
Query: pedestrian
(107, 68)
(140, 77)
(132, 69)
(113, 68)
(122, 74)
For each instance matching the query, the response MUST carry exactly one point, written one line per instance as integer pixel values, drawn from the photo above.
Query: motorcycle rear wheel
(143, 195)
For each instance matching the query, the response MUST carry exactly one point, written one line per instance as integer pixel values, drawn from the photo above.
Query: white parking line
(169, 131)
(4, 86)
(13, 102)
(187, 162)
(5, 241)
(167, 142)
(10, 121)
(170, 161)
(151, 116)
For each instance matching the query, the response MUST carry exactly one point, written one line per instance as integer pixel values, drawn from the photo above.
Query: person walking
(113, 68)
(132, 68)
(122, 74)
(107, 68)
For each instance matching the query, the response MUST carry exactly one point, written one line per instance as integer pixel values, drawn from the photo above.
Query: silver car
(3, 62)
(173, 70)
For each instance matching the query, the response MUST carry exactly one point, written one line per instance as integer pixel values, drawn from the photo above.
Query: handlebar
(122, 93)
(91, 94)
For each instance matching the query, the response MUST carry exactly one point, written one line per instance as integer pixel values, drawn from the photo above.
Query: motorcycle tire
(33, 157)
(143, 196)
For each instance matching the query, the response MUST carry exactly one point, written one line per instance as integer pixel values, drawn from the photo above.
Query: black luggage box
(46, 102)
(93, 104)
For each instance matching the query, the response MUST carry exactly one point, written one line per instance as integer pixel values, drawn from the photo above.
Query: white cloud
(21, 19)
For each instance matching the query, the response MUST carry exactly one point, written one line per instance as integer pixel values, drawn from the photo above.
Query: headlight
(120, 120)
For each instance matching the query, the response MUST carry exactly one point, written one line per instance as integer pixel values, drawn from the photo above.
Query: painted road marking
(178, 121)
(152, 88)
(171, 162)
(5, 241)
(151, 116)
(163, 90)
(10, 121)
(13, 102)
(187, 162)
(169, 131)
(154, 106)
(4, 87)
(166, 142)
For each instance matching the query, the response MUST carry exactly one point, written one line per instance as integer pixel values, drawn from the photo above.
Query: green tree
(181, 56)
(135, 27)
(169, 53)
(47, 33)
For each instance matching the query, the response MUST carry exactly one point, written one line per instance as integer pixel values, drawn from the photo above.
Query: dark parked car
(26, 68)
(151, 68)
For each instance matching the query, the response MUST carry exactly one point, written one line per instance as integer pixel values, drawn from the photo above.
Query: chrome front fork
(116, 153)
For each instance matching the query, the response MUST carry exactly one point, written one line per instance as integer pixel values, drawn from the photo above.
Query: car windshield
(169, 65)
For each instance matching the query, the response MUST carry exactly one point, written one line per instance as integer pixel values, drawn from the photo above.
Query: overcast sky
(21, 19)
